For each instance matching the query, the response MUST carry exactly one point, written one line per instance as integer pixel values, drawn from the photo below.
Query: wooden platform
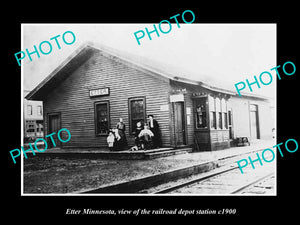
(105, 154)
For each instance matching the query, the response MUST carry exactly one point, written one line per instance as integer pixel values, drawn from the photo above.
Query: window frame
(39, 110)
(131, 131)
(225, 121)
(29, 109)
(219, 113)
(224, 108)
(95, 117)
(204, 98)
(220, 121)
(213, 120)
(212, 113)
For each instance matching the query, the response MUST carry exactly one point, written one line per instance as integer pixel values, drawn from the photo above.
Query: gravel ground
(57, 175)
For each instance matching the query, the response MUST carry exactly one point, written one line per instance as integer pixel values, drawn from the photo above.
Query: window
(137, 111)
(29, 109)
(39, 110)
(220, 125)
(224, 111)
(201, 115)
(30, 128)
(213, 120)
(212, 109)
(229, 117)
(219, 113)
(225, 120)
(102, 118)
(39, 125)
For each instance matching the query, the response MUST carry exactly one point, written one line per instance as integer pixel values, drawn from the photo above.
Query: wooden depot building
(95, 86)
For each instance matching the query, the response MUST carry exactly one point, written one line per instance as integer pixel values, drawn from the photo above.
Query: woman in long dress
(154, 127)
(121, 129)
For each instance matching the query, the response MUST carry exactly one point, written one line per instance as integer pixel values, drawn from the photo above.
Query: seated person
(145, 137)
(137, 131)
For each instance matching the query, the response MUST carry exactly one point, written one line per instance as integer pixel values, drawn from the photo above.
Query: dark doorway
(53, 126)
(179, 124)
(230, 125)
(254, 123)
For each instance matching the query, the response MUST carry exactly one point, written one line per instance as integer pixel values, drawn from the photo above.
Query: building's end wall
(241, 117)
(71, 99)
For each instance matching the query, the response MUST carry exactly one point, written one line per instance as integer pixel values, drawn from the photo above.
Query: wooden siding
(219, 139)
(241, 117)
(203, 140)
(190, 127)
(177, 87)
(207, 138)
(71, 98)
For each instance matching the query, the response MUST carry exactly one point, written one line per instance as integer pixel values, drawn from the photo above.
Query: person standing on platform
(154, 127)
(110, 140)
(121, 130)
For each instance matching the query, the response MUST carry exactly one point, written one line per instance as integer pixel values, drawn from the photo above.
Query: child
(110, 140)
(138, 130)
(145, 137)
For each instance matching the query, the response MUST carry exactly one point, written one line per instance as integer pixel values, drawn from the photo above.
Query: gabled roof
(84, 52)
(61, 72)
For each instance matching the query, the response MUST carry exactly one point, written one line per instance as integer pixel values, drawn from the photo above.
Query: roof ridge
(131, 58)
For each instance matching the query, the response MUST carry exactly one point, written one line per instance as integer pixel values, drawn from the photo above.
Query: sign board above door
(99, 92)
(177, 98)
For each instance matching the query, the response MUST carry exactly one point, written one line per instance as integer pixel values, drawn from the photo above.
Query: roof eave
(71, 63)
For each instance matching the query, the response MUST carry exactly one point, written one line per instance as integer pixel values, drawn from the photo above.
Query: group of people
(146, 136)
(116, 139)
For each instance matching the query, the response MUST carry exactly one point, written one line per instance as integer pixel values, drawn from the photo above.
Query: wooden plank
(71, 98)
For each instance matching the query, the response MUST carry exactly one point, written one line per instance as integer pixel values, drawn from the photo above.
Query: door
(179, 124)
(53, 126)
(254, 125)
(230, 125)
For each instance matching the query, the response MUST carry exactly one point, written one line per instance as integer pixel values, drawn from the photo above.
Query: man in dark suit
(154, 127)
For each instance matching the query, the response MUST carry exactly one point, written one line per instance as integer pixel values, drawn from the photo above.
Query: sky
(223, 54)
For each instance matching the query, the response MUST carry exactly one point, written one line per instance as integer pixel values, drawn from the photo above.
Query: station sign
(177, 98)
(99, 92)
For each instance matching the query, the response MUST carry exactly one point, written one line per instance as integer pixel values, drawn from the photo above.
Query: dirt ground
(57, 175)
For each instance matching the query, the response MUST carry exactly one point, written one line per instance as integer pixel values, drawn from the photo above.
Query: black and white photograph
(137, 113)
(143, 109)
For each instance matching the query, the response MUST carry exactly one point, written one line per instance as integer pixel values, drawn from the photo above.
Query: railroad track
(227, 180)
(193, 181)
(245, 187)
(181, 180)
